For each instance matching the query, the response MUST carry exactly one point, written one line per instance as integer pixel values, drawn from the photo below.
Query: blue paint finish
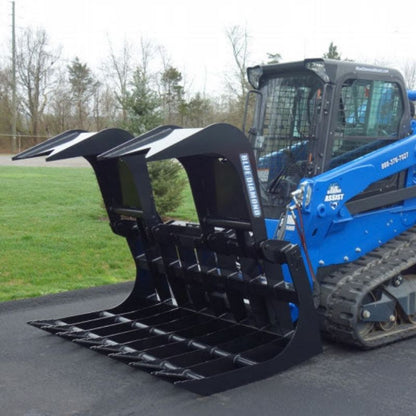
(271, 228)
(413, 126)
(333, 235)
(411, 94)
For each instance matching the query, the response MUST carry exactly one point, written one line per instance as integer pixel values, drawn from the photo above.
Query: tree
(83, 87)
(237, 80)
(5, 100)
(168, 181)
(144, 113)
(173, 95)
(121, 71)
(238, 39)
(60, 105)
(35, 64)
(199, 111)
(409, 74)
(143, 105)
(332, 52)
(105, 111)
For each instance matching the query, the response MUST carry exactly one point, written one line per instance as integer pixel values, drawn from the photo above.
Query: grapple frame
(210, 309)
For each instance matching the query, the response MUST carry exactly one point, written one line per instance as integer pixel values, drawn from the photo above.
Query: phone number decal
(394, 160)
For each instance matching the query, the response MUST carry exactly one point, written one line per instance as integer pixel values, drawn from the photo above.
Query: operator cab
(317, 114)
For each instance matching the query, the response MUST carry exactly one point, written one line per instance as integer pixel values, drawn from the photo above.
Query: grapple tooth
(53, 329)
(88, 342)
(145, 365)
(106, 349)
(221, 273)
(179, 375)
(46, 323)
(71, 335)
(126, 358)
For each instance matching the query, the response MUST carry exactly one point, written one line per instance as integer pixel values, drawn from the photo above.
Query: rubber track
(343, 291)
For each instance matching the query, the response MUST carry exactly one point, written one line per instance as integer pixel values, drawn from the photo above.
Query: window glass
(291, 106)
(369, 113)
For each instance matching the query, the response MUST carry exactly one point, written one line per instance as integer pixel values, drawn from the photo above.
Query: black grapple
(210, 309)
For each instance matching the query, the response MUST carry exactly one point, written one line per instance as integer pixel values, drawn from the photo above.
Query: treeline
(136, 88)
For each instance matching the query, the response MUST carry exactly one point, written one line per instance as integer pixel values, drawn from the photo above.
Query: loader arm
(332, 212)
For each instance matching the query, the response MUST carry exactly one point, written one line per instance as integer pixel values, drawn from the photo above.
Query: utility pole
(14, 100)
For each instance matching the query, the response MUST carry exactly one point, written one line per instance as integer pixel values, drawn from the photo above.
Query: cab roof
(329, 70)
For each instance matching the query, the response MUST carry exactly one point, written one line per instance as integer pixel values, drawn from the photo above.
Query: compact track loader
(305, 224)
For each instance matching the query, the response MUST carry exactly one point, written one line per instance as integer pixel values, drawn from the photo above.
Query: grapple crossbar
(210, 309)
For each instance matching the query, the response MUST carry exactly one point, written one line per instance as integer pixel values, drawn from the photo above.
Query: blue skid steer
(306, 224)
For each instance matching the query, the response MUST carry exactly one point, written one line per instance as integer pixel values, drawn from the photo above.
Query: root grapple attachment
(210, 309)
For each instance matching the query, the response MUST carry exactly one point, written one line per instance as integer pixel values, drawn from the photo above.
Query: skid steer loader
(305, 224)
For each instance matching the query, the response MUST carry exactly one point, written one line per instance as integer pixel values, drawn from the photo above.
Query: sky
(193, 33)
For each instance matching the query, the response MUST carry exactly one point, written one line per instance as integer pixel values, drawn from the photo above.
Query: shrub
(168, 182)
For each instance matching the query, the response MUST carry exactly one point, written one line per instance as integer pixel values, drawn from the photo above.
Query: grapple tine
(179, 375)
(215, 304)
(106, 349)
(54, 329)
(145, 365)
(46, 323)
(70, 335)
(88, 342)
(125, 357)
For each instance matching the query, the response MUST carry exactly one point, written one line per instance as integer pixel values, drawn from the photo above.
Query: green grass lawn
(54, 235)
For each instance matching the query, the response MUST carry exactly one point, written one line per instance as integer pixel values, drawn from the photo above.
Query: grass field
(54, 235)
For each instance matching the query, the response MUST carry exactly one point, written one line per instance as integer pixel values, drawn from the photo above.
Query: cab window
(369, 114)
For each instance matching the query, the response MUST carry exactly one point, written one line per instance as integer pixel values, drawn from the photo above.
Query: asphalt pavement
(44, 375)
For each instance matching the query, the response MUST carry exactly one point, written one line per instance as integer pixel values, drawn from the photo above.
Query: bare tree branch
(35, 66)
(409, 73)
(238, 38)
(120, 67)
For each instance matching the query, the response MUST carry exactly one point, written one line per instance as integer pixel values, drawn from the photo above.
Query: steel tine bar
(122, 321)
(225, 350)
(228, 350)
(182, 348)
(101, 332)
(188, 261)
(194, 330)
(178, 375)
(134, 334)
(236, 360)
(211, 341)
(71, 323)
(217, 366)
(236, 300)
(187, 359)
(92, 341)
(207, 261)
(146, 341)
(167, 315)
(170, 255)
(216, 351)
(134, 341)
